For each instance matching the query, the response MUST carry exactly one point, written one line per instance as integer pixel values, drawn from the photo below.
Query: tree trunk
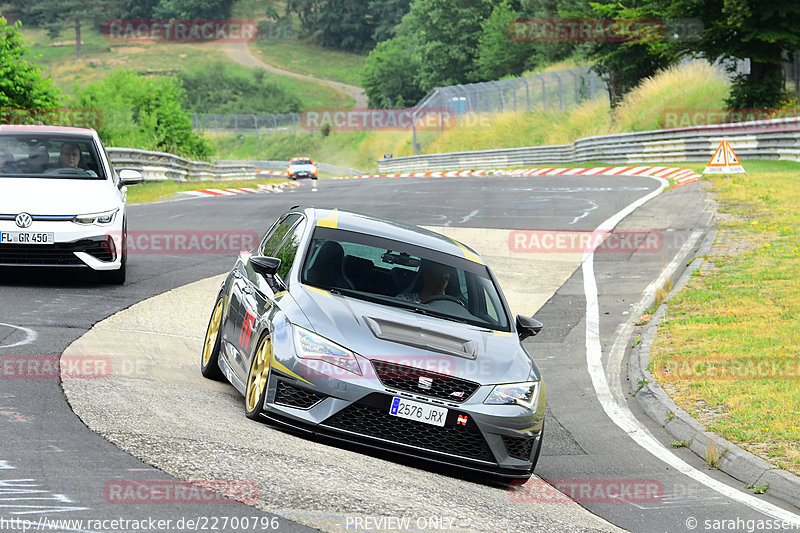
(614, 94)
(767, 83)
(78, 52)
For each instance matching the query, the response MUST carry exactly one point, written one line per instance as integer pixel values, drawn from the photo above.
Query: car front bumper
(95, 247)
(503, 440)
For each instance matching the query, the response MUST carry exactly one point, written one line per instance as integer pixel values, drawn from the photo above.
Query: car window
(49, 156)
(279, 231)
(404, 276)
(288, 250)
(303, 162)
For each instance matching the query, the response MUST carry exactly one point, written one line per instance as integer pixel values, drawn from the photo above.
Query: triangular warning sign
(724, 161)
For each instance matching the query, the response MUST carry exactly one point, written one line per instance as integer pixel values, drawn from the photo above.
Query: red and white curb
(681, 176)
(277, 187)
(282, 173)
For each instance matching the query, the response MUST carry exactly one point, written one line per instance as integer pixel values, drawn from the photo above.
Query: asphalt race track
(166, 423)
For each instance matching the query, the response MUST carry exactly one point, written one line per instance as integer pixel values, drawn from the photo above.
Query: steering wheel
(67, 171)
(437, 297)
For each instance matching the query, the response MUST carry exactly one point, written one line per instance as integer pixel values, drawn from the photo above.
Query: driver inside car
(434, 276)
(70, 157)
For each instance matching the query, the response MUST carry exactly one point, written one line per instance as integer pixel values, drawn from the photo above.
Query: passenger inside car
(38, 159)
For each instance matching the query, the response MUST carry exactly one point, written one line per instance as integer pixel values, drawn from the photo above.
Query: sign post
(724, 161)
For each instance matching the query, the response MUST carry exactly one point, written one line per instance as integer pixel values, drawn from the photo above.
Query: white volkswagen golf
(61, 202)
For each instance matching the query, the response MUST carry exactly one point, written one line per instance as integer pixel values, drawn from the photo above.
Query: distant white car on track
(61, 202)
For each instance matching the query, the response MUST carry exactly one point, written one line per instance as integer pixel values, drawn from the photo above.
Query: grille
(292, 396)
(407, 378)
(375, 422)
(59, 254)
(519, 447)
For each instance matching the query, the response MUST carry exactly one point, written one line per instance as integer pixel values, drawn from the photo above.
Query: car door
(252, 299)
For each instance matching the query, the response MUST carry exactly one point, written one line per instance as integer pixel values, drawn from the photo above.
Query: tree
(21, 83)
(193, 9)
(498, 55)
(446, 34)
(763, 32)
(386, 14)
(57, 15)
(342, 24)
(389, 74)
(640, 52)
(146, 113)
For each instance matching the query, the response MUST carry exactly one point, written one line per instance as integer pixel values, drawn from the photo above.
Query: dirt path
(240, 53)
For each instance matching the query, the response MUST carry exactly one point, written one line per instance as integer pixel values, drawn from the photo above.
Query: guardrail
(160, 166)
(760, 139)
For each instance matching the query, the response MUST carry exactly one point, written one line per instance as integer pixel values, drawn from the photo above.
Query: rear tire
(209, 360)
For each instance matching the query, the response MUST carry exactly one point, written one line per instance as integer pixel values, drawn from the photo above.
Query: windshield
(49, 156)
(302, 162)
(404, 276)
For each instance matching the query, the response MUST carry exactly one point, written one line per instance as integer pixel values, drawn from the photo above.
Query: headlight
(524, 394)
(99, 219)
(309, 345)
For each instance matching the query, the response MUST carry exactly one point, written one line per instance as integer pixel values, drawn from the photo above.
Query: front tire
(538, 449)
(117, 277)
(209, 362)
(257, 379)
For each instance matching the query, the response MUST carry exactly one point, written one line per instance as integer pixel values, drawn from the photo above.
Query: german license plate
(26, 237)
(421, 412)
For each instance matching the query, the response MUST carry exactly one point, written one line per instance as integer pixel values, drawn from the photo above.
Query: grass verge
(304, 57)
(155, 191)
(727, 350)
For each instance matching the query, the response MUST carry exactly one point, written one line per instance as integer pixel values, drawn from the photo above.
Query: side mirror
(264, 265)
(128, 176)
(527, 327)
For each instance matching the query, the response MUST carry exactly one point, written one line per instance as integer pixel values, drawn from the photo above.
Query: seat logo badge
(425, 383)
(462, 420)
(23, 220)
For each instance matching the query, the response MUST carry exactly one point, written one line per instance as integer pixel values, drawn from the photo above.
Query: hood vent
(419, 337)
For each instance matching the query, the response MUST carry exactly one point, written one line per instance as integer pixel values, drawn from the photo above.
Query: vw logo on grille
(24, 220)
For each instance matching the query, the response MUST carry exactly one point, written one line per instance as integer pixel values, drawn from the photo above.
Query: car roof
(296, 158)
(30, 128)
(389, 229)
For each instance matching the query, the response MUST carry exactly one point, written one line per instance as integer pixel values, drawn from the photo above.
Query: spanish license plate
(421, 412)
(26, 237)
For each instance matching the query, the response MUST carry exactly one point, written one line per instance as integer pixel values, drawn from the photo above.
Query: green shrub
(145, 113)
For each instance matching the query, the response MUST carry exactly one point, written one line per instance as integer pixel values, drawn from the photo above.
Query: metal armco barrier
(160, 166)
(761, 139)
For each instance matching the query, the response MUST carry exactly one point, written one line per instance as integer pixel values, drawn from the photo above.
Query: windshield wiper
(434, 314)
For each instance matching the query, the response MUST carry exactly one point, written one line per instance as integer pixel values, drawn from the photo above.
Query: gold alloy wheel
(259, 371)
(212, 333)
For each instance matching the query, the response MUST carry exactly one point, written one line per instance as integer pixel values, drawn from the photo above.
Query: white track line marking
(30, 336)
(619, 413)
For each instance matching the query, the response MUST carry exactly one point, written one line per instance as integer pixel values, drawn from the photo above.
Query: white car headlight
(524, 394)
(105, 218)
(309, 345)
